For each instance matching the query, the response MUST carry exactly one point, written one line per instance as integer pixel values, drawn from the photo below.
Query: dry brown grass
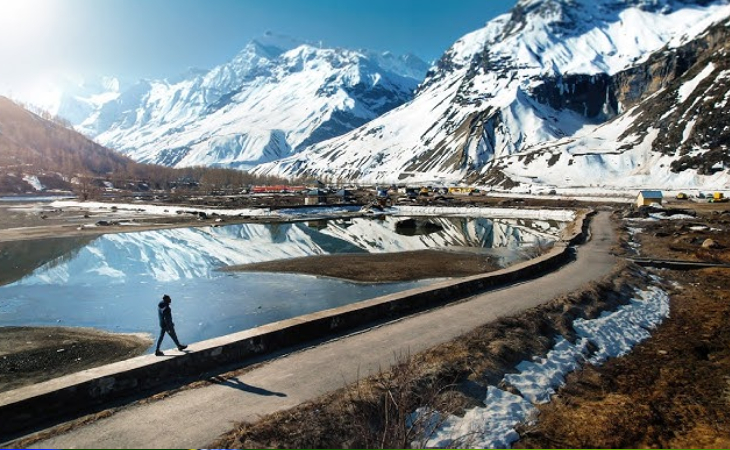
(672, 390)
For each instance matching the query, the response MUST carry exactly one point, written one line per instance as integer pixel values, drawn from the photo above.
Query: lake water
(114, 282)
(33, 198)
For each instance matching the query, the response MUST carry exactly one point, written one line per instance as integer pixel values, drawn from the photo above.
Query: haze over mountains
(276, 97)
(554, 94)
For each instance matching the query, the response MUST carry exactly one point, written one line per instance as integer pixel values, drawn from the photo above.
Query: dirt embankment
(29, 355)
(381, 268)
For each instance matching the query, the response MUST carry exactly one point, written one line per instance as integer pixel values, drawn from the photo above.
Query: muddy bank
(29, 355)
(383, 267)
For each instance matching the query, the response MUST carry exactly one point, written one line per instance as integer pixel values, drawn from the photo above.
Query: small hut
(647, 198)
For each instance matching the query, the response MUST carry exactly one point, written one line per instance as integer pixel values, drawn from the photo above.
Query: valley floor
(672, 391)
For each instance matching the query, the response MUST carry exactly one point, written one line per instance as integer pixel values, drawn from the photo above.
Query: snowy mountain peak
(663, 6)
(275, 97)
(109, 84)
(189, 73)
(500, 102)
(408, 65)
(550, 37)
(265, 48)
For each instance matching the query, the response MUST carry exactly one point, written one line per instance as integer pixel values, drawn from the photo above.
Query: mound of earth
(382, 267)
(29, 355)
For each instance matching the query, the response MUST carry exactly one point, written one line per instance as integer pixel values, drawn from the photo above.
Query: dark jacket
(164, 313)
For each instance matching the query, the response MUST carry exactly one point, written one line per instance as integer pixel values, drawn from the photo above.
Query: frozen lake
(114, 282)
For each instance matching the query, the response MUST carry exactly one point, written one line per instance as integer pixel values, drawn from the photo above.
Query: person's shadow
(240, 385)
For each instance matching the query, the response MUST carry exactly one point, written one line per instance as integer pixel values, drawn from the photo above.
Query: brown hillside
(38, 144)
(33, 145)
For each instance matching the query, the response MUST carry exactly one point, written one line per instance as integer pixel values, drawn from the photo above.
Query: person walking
(164, 313)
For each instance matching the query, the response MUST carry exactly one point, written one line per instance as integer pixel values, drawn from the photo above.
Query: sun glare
(26, 22)
(20, 16)
(27, 41)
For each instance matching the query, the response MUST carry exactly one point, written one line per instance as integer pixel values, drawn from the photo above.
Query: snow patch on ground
(495, 213)
(35, 182)
(612, 335)
(176, 210)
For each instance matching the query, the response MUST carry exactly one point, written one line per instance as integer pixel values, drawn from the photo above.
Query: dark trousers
(171, 332)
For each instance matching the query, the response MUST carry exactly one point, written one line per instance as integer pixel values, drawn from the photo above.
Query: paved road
(194, 418)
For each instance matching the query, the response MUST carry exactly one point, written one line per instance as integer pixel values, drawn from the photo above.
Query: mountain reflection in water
(114, 282)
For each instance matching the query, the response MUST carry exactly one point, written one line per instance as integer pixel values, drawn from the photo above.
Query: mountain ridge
(274, 97)
(489, 99)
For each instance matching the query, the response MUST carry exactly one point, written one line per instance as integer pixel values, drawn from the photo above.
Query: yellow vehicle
(682, 196)
(462, 190)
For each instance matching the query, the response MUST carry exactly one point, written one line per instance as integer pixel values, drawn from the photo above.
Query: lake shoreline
(30, 355)
(19, 222)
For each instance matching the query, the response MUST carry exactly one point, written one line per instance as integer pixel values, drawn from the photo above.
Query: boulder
(710, 243)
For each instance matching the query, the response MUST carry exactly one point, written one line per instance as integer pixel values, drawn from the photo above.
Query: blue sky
(132, 39)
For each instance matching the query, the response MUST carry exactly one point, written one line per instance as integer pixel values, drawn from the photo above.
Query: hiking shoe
(159, 353)
(182, 347)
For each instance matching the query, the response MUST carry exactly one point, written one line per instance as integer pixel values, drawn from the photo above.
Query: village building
(647, 198)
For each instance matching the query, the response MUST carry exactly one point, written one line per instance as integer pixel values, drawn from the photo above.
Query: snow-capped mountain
(556, 92)
(274, 98)
(76, 102)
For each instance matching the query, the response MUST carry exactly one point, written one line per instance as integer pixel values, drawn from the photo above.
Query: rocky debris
(711, 244)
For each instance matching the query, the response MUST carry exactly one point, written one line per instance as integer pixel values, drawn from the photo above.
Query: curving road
(194, 418)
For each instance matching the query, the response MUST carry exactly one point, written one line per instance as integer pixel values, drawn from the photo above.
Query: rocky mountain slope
(556, 93)
(276, 97)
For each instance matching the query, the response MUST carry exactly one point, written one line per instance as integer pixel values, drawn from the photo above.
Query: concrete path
(194, 418)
